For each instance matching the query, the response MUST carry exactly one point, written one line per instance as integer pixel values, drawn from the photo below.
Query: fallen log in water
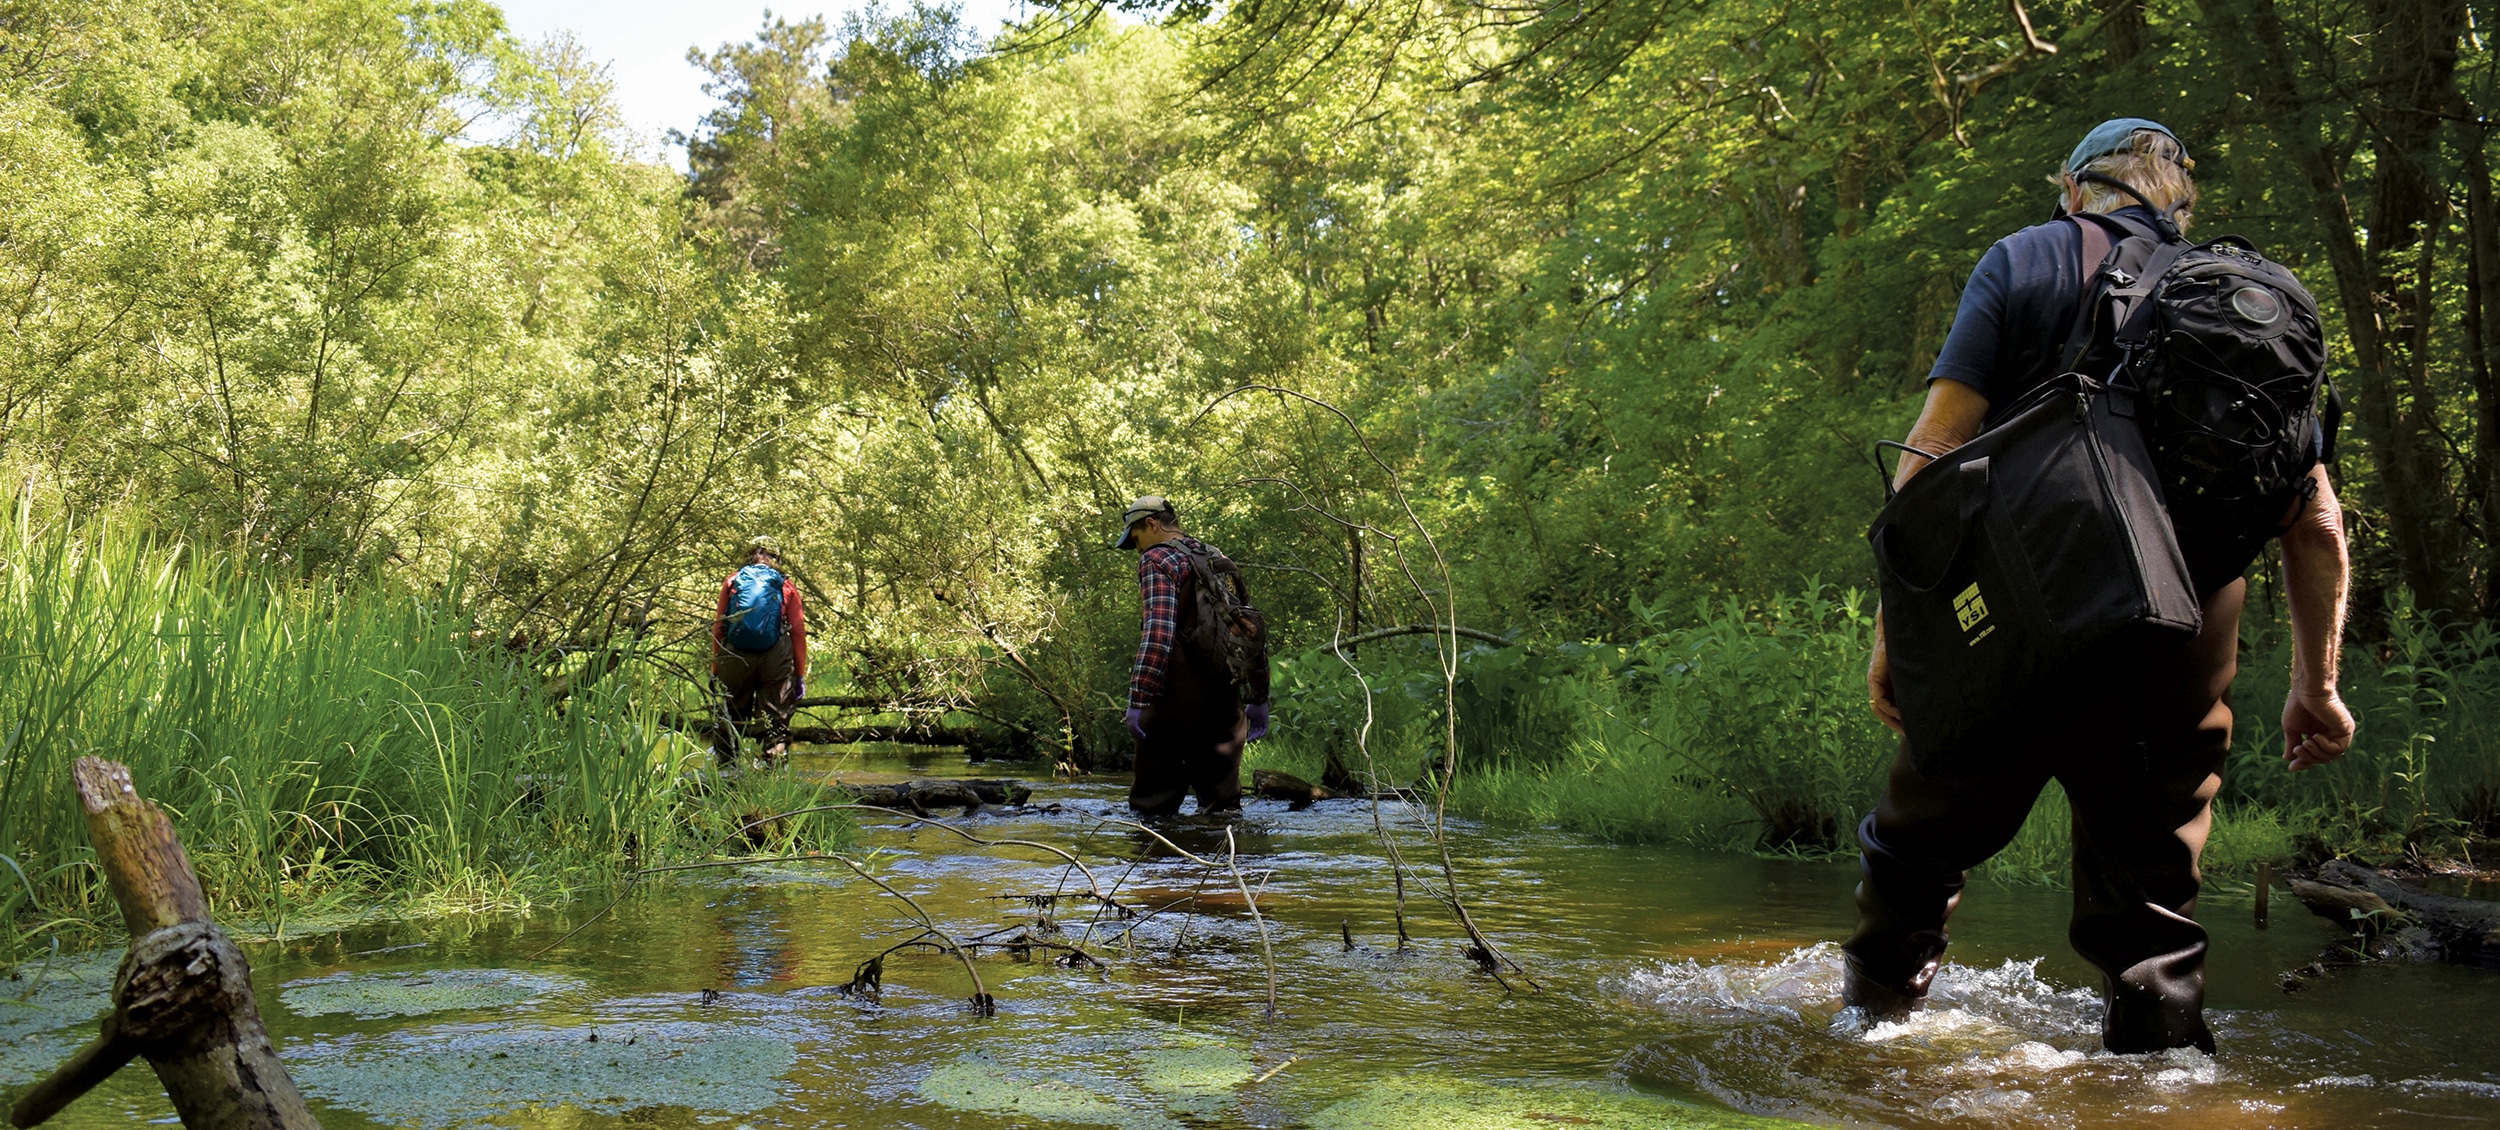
(2401, 919)
(923, 795)
(1299, 794)
(982, 746)
(1294, 791)
(964, 736)
(183, 996)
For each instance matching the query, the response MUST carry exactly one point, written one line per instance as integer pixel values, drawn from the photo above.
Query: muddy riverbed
(1679, 989)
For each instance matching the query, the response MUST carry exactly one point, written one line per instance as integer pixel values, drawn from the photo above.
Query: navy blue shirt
(2017, 311)
(2007, 337)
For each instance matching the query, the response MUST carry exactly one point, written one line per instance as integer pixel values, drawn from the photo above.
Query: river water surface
(1678, 989)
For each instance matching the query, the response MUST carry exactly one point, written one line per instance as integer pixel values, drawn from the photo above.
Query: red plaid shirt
(1159, 573)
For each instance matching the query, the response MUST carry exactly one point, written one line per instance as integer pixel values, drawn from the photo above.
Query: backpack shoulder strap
(1211, 569)
(2098, 246)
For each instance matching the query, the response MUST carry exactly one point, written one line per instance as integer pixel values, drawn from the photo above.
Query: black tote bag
(2010, 554)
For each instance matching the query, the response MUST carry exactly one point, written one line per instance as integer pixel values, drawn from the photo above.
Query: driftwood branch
(1477, 634)
(870, 703)
(183, 996)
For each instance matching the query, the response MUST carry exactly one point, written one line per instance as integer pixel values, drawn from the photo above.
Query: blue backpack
(753, 620)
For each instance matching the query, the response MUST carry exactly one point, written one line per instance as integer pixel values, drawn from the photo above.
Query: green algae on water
(1435, 1103)
(458, 1076)
(1188, 1075)
(376, 996)
(1194, 1078)
(48, 1011)
(983, 1085)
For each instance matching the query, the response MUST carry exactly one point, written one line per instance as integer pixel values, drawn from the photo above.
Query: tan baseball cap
(765, 542)
(1146, 505)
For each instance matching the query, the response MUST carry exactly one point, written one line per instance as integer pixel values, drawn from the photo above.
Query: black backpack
(1223, 627)
(2226, 348)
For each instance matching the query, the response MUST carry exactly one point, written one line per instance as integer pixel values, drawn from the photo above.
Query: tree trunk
(2385, 307)
(2482, 336)
(183, 997)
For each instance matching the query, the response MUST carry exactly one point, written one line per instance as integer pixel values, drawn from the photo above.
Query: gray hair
(2153, 163)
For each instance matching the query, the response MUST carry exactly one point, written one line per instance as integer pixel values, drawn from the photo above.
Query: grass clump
(1743, 729)
(317, 746)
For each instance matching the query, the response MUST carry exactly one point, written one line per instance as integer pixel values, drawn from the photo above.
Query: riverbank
(1744, 728)
(323, 751)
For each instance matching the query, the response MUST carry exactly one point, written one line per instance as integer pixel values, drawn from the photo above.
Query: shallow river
(1678, 989)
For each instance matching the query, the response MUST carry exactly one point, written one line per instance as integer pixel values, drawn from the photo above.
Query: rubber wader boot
(1879, 1001)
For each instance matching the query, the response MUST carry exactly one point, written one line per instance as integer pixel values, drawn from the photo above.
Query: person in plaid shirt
(1189, 723)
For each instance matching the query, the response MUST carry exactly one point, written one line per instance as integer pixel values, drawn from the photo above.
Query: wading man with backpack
(1198, 692)
(2118, 423)
(759, 654)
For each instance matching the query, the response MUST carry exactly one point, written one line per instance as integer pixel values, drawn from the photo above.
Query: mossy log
(183, 997)
(980, 745)
(923, 795)
(964, 736)
(2416, 922)
(1297, 793)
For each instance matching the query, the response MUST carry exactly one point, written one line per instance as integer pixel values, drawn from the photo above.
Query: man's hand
(1137, 723)
(1257, 712)
(1879, 681)
(2316, 729)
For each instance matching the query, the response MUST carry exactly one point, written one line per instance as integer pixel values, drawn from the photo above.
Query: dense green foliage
(1571, 322)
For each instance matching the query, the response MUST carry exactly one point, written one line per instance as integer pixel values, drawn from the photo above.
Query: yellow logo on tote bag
(1970, 609)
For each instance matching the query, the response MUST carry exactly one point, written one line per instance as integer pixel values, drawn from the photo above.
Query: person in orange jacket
(759, 653)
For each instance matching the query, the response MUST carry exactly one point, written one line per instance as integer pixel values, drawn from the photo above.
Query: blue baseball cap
(2111, 136)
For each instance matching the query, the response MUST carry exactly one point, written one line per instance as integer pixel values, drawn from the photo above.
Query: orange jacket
(793, 621)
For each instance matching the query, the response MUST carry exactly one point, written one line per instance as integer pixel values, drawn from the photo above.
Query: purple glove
(1137, 723)
(1258, 721)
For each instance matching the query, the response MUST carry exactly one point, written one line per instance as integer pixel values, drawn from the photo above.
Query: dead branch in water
(1446, 633)
(183, 995)
(1231, 863)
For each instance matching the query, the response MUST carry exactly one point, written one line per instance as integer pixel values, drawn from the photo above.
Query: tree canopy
(1615, 295)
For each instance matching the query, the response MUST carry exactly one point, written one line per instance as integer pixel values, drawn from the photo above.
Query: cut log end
(103, 785)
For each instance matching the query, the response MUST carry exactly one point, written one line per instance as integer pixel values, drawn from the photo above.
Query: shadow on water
(1682, 989)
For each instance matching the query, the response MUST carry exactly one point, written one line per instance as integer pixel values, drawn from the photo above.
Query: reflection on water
(1677, 984)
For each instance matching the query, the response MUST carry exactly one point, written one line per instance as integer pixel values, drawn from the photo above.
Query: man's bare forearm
(2315, 572)
(1951, 417)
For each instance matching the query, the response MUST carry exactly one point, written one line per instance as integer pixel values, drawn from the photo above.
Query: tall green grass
(313, 745)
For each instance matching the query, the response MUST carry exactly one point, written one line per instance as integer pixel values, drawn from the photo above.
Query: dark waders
(752, 681)
(1195, 732)
(2139, 743)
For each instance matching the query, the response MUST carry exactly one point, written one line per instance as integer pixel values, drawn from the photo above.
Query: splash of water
(1997, 1046)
